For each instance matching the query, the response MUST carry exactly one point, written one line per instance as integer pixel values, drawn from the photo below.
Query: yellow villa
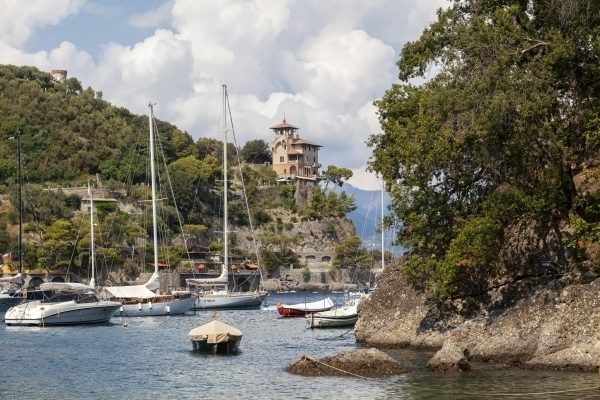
(294, 159)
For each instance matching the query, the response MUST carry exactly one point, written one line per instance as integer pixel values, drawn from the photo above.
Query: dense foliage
(71, 137)
(508, 115)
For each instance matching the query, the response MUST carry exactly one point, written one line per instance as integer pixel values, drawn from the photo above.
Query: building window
(281, 159)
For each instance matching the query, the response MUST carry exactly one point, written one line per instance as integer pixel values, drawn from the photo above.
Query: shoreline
(539, 323)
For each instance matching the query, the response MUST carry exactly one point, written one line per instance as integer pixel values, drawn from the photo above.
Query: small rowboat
(336, 317)
(301, 309)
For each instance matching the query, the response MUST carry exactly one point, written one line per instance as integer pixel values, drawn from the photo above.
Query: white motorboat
(67, 304)
(141, 300)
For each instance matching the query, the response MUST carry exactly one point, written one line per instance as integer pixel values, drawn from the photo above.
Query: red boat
(301, 309)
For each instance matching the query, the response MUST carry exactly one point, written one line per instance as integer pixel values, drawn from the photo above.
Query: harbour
(152, 358)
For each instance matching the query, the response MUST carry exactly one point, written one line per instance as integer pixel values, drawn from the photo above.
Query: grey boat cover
(215, 332)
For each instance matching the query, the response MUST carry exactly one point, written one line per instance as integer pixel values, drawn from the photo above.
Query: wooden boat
(301, 309)
(215, 337)
(346, 315)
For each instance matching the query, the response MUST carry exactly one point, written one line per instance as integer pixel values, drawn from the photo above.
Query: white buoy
(150, 305)
(140, 306)
(168, 309)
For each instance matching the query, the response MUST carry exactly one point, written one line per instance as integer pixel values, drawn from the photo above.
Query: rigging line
(337, 336)
(170, 186)
(332, 367)
(254, 243)
(74, 247)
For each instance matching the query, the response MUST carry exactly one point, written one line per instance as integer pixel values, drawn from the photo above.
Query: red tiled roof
(302, 141)
(283, 125)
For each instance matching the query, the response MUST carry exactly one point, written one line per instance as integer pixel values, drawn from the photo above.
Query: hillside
(70, 137)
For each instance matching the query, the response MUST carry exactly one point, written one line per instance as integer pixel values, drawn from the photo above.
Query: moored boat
(214, 293)
(63, 304)
(301, 309)
(215, 337)
(141, 300)
(346, 315)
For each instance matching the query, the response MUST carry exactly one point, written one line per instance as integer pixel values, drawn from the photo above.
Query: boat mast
(225, 213)
(382, 228)
(153, 184)
(93, 279)
(20, 178)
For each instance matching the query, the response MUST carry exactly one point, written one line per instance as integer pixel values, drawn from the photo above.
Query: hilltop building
(294, 159)
(59, 75)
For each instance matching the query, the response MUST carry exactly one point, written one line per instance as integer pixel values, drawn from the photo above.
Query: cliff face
(536, 323)
(316, 239)
(541, 310)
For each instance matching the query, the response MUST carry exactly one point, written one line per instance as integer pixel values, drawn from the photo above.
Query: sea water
(151, 358)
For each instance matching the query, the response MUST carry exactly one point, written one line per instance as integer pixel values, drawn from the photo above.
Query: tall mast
(153, 177)
(20, 178)
(382, 228)
(225, 213)
(92, 250)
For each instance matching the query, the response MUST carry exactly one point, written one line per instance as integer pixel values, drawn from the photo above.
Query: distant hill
(367, 217)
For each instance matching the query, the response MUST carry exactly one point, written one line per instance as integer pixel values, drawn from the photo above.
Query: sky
(321, 63)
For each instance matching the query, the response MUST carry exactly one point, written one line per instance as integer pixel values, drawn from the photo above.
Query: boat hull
(302, 309)
(288, 312)
(154, 309)
(337, 317)
(230, 301)
(37, 313)
(7, 302)
(202, 346)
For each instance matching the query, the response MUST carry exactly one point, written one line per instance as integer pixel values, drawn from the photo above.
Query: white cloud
(322, 63)
(157, 69)
(152, 18)
(18, 21)
(365, 180)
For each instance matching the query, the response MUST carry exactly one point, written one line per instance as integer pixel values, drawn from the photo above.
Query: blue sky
(100, 22)
(322, 63)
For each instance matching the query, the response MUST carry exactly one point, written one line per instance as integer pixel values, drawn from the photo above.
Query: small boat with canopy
(215, 337)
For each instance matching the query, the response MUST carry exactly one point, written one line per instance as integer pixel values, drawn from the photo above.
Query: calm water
(151, 359)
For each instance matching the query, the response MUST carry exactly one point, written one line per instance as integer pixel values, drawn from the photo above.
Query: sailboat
(64, 303)
(11, 295)
(214, 293)
(141, 300)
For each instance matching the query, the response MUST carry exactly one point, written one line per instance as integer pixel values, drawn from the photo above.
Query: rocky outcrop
(357, 363)
(539, 322)
(453, 356)
(541, 310)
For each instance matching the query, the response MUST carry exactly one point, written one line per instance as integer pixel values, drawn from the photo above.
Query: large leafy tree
(256, 151)
(336, 175)
(507, 116)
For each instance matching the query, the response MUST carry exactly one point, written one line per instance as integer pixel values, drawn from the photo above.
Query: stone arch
(35, 282)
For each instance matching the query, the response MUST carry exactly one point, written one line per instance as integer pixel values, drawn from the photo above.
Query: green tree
(256, 151)
(496, 135)
(336, 175)
(351, 253)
